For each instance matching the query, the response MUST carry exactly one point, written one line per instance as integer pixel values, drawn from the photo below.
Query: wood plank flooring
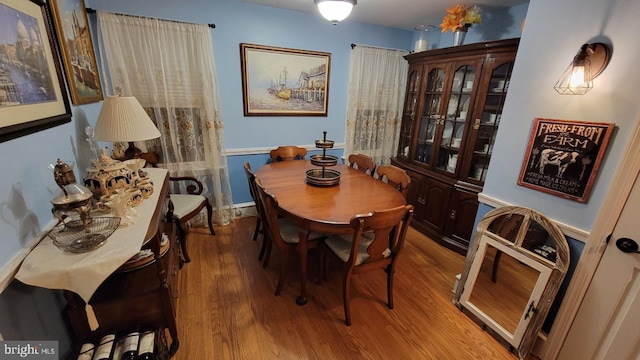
(227, 308)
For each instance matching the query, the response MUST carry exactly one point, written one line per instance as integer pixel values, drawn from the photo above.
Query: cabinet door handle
(476, 124)
(452, 215)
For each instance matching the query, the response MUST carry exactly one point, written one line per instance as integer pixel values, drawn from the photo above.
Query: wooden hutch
(453, 104)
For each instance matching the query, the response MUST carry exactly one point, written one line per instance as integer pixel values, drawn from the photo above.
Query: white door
(607, 325)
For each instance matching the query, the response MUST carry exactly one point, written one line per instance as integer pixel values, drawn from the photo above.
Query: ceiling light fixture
(590, 61)
(335, 10)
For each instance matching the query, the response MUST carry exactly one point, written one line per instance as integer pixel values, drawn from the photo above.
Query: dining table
(325, 209)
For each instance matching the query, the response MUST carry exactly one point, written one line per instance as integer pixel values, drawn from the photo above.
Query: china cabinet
(453, 105)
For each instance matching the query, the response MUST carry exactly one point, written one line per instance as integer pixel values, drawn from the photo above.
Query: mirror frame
(521, 341)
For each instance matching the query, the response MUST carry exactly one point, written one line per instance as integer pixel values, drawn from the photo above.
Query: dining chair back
(281, 232)
(377, 240)
(186, 207)
(394, 176)
(286, 153)
(362, 163)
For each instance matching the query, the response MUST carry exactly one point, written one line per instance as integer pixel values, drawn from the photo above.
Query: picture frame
(563, 157)
(284, 82)
(76, 46)
(32, 93)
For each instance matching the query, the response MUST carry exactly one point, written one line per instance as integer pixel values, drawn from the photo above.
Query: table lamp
(122, 118)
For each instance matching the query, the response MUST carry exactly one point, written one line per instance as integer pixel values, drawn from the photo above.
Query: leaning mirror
(513, 270)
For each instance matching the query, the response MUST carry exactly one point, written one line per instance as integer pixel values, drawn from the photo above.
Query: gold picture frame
(32, 93)
(563, 157)
(284, 82)
(79, 59)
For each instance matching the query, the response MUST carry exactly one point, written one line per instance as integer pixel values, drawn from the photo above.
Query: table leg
(302, 247)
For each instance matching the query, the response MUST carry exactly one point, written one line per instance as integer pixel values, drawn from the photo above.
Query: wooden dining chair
(186, 207)
(378, 238)
(286, 153)
(281, 233)
(362, 163)
(394, 176)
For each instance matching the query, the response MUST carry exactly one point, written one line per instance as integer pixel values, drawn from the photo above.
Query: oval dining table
(323, 209)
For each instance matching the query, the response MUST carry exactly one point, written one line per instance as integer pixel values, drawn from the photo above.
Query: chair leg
(183, 243)
(267, 244)
(257, 230)
(496, 263)
(209, 215)
(283, 271)
(346, 295)
(263, 248)
(390, 272)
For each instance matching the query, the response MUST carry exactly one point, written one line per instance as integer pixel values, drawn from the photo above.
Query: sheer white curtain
(377, 81)
(168, 66)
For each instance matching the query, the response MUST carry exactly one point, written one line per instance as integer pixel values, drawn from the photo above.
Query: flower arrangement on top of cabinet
(461, 16)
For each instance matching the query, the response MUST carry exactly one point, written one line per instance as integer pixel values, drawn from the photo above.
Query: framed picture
(284, 82)
(77, 51)
(32, 96)
(563, 157)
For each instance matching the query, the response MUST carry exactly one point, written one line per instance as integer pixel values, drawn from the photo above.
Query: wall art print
(77, 51)
(563, 157)
(284, 82)
(32, 96)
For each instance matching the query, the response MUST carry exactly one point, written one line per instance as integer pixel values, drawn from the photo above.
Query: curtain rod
(92, 11)
(377, 47)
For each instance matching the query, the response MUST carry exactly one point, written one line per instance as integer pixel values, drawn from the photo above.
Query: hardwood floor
(227, 308)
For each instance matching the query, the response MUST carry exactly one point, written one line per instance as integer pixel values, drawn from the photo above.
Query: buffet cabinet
(143, 292)
(452, 111)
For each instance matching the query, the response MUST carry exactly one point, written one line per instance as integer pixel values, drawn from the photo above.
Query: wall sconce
(335, 10)
(590, 61)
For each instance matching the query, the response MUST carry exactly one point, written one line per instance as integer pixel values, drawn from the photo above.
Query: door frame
(608, 216)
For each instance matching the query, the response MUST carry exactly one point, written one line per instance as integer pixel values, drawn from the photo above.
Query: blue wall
(28, 183)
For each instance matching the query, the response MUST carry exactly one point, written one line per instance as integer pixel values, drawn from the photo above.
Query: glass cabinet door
(409, 113)
(430, 115)
(486, 124)
(457, 110)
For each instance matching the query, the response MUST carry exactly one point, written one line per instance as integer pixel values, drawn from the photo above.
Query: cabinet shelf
(472, 80)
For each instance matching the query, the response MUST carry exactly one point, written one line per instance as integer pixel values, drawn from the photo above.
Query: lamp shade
(122, 118)
(335, 10)
(590, 61)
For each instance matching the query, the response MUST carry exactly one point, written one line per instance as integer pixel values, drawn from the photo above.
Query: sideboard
(105, 291)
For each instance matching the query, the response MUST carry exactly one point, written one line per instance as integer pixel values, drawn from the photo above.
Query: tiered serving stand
(323, 176)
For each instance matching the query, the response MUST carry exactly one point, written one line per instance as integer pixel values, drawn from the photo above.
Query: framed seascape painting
(284, 82)
(77, 51)
(563, 157)
(32, 96)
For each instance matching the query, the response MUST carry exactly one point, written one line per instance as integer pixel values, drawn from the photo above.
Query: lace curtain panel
(169, 67)
(377, 81)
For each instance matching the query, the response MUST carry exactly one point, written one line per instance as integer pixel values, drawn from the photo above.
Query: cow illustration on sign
(563, 157)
